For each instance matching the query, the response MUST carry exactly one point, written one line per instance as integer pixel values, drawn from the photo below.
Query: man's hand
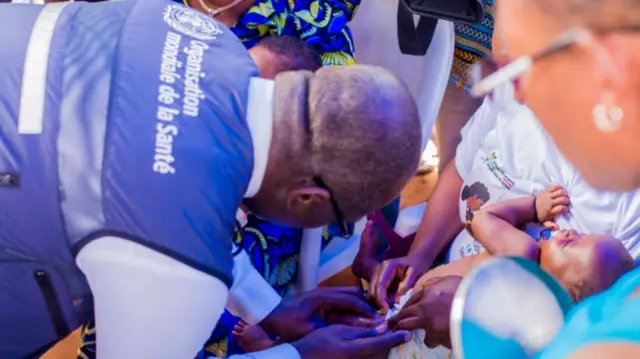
(404, 271)
(429, 309)
(299, 315)
(346, 342)
(552, 202)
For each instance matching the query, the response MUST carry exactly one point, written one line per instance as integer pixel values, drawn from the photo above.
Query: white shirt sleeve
(247, 286)
(602, 212)
(283, 351)
(627, 227)
(473, 135)
(137, 290)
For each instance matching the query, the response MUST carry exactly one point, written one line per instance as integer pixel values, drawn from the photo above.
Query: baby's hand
(552, 202)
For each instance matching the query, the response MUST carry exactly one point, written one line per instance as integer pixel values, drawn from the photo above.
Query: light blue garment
(611, 316)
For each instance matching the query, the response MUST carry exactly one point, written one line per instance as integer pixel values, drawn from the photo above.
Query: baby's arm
(496, 227)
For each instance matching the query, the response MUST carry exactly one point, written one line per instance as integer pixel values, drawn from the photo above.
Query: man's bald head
(365, 134)
(355, 127)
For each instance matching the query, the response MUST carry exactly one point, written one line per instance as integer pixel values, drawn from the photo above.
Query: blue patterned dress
(321, 23)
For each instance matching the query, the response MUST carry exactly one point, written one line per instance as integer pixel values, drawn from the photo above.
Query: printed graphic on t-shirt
(475, 196)
(492, 164)
(470, 249)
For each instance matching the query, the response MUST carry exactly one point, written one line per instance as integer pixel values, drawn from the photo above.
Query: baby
(585, 264)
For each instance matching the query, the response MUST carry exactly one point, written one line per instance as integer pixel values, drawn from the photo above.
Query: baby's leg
(458, 267)
(252, 338)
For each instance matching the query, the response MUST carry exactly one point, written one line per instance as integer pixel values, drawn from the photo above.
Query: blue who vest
(116, 118)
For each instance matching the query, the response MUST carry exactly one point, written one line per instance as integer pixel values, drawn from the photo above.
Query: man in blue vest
(131, 132)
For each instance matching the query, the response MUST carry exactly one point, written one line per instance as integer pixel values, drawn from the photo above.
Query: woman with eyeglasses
(577, 68)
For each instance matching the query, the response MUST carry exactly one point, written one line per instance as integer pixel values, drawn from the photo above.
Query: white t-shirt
(506, 154)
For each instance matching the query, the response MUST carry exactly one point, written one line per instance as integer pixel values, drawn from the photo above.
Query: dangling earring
(607, 116)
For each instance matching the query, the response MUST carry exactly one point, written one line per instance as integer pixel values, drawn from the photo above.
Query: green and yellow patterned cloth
(321, 23)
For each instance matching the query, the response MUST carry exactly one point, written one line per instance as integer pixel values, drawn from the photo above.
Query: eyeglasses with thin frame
(515, 69)
(344, 231)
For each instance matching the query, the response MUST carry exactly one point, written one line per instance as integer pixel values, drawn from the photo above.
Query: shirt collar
(260, 121)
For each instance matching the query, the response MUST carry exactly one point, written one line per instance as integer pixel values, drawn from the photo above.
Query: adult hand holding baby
(429, 308)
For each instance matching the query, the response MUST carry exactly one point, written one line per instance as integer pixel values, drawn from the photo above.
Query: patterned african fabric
(321, 23)
(274, 251)
(473, 42)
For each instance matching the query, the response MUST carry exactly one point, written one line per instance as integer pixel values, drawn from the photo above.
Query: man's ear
(306, 196)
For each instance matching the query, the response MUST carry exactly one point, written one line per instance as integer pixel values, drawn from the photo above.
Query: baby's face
(569, 255)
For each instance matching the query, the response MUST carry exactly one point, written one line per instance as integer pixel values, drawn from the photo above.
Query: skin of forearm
(441, 221)
(497, 228)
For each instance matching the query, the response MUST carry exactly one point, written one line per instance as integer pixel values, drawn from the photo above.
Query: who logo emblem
(191, 22)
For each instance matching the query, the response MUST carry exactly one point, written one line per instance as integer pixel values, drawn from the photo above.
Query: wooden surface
(418, 189)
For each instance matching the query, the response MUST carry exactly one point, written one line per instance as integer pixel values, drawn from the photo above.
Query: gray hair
(362, 132)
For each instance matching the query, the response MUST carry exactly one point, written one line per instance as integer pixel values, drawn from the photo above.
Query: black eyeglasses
(344, 231)
(518, 67)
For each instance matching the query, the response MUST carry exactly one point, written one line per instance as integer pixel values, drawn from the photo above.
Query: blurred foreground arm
(248, 285)
(138, 290)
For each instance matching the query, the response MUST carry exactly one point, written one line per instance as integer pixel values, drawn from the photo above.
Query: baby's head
(585, 264)
(276, 54)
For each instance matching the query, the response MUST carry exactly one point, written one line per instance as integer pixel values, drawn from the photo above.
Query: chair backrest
(424, 60)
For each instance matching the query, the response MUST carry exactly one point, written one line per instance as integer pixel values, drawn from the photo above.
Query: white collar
(260, 120)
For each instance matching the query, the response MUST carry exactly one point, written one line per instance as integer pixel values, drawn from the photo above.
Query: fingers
(410, 324)
(380, 287)
(404, 313)
(238, 329)
(560, 201)
(554, 189)
(346, 332)
(367, 347)
(410, 278)
(550, 225)
(559, 210)
(368, 322)
(338, 301)
(346, 290)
